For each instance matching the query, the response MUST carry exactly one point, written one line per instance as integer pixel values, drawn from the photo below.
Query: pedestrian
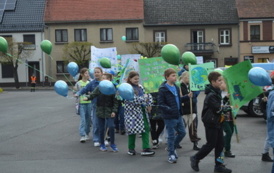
(156, 122)
(106, 110)
(98, 72)
(184, 68)
(211, 117)
(270, 122)
(84, 106)
(136, 116)
(33, 83)
(169, 102)
(190, 110)
(228, 124)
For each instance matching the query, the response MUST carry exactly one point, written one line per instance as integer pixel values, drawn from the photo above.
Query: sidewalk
(24, 88)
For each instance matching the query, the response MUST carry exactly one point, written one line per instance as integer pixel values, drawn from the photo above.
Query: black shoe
(131, 152)
(229, 154)
(147, 152)
(195, 146)
(194, 163)
(221, 169)
(123, 132)
(266, 157)
(116, 130)
(178, 146)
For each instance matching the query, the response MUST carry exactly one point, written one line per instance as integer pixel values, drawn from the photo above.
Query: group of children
(144, 114)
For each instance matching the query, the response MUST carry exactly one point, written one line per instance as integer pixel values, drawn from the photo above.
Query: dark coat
(186, 102)
(167, 102)
(213, 101)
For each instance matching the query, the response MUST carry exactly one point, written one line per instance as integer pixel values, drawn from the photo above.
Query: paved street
(39, 134)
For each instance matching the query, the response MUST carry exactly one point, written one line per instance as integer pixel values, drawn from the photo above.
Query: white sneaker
(106, 143)
(83, 139)
(96, 144)
(87, 137)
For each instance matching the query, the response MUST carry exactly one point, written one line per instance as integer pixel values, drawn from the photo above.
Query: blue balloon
(126, 91)
(91, 73)
(118, 57)
(73, 68)
(258, 76)
(61, 88)
(106, 87)
(124, 38)
(110, 72)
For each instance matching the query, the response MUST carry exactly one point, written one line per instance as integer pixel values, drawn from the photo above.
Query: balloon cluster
(259, 76)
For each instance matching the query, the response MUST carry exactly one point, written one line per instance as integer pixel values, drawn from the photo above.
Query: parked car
(253, 107)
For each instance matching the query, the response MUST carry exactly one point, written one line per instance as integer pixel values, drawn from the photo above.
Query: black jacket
(213, 101)
(186, 103)
(167, 102)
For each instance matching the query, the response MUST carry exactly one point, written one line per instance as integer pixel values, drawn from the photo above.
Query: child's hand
(190, 94)
(149, 109)
(264, 99)
(112, 115)
(75, 95)
(85, 99)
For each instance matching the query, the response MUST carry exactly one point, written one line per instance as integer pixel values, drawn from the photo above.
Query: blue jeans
(105, 123)
(119, 120)
(95, 124)
(85, 121)
(172, 126)
(273, 164)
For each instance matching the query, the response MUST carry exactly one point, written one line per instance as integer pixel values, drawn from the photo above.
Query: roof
(27, 17)
(190, 12)
(255, 8)
(93, 10)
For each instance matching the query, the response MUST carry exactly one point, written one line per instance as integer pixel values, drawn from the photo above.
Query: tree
(78, 52)
(16, 55)
(147, 49)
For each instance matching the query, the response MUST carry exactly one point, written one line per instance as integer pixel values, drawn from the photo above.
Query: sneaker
(172, 159)
(175, 154)
(131, 152)
(87, 137)
(178, 146)
(106, 143)
(155, 144)
(114, 148)
(266, 157)
(147, 152)
(229, 154)
(103, 148)
(96, 144)
(123, 132)
(82, 139)
(221, 169)
(194, 163)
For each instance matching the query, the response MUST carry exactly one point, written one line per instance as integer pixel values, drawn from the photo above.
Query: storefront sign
(262, 49)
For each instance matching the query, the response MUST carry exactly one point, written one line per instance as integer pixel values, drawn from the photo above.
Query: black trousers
(157, 126)
(214, 139)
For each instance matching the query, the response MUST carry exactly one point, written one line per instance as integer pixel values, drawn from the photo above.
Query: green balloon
(189, 57)
(3, 45)
(105, 62)
(171, 54)
(46, 46)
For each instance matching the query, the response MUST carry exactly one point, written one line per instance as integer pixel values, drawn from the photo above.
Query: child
(212, 110)
(98, 72)
(190, 119)
(228, 124)
(169, 101)
(84, 106)
(136, 117)
(107, 106)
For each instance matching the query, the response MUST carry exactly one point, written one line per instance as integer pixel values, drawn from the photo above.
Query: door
(34, 68)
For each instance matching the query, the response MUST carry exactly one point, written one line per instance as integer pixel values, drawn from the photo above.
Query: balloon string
(68, 79)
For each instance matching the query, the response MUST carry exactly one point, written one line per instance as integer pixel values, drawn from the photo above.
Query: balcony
(200, 48)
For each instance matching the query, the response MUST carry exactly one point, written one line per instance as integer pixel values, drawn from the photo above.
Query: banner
(198, 75)
(152, 73)
(98, 53)
(239, 87)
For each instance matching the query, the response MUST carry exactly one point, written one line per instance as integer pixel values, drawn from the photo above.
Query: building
(208, 28)
(256, 30)
(23, 22)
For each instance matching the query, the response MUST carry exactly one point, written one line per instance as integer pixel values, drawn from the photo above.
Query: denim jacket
(270, 118)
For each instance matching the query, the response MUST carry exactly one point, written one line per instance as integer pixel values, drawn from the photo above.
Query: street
(39, 134)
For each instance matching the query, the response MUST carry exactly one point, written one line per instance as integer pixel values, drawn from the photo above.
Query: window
(61, 67)
(160, 36)
(106, 34)
(255, 32)
(197, 37)
(263, 60)
(132, 34)
(7, 70)
(225, 36)
(29, 41)
(61, 35)
(80, 35)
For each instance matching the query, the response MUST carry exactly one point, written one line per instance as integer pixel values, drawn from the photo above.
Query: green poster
(152, 72)
(240, 89)
(198, 75)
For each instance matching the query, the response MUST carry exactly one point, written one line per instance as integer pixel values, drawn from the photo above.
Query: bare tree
(15, 56)
(78, 52)
(147, 49)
